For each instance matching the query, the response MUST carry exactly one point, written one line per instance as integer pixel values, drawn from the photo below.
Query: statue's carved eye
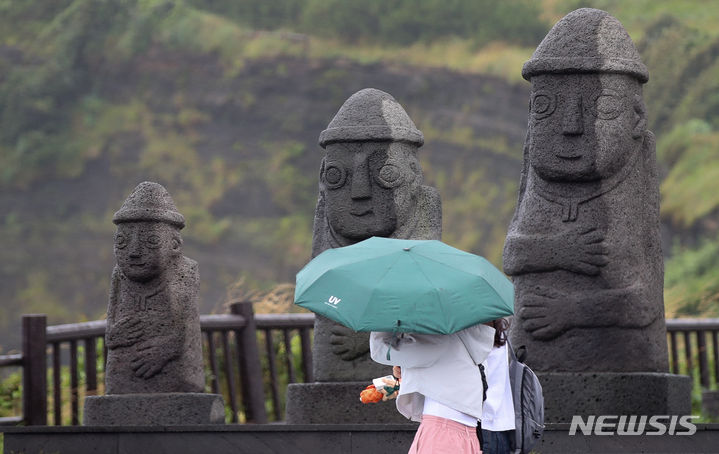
(543, 104)
(389, 176)
(153, 241)
(607, 105)
(334, 176)
(120, 241)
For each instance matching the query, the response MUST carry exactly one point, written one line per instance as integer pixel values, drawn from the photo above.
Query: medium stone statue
(584, 247)
(370, 185)
(154, 371)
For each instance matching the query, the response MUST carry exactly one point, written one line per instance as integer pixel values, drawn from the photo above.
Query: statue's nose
(361, 185)
(135, 247)
(573, 119)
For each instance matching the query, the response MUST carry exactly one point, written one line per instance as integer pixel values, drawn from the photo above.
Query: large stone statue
(154, 371)
(371, 184)
(583, 247)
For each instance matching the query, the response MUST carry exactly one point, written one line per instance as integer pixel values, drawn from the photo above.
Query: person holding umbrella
(442, 385)
(425, 304)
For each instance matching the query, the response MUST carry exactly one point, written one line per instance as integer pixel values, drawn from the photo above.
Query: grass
(636, 15)
(208, 33)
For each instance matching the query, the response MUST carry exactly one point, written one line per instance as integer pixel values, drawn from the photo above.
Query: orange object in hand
(370, 395)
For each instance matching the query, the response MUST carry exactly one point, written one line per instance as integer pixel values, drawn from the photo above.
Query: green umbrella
(416, 286)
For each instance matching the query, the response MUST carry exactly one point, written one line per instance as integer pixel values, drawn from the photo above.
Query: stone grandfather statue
(584, 246)
(153, 326)
(371, 184)
(154, 373)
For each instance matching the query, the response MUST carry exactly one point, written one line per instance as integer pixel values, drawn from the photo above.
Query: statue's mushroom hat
(149, 202)
(586, 40)
(371, 115)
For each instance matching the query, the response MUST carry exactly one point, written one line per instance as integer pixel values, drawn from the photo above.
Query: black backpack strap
(485, 386)
(520, 355)
(479, 434)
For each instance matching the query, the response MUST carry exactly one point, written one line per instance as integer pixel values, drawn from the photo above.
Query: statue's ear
(176, 243)
(640, 117)
(322, 169)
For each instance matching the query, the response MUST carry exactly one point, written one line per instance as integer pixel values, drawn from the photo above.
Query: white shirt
(434, 408)
(441, 367)
(498, 410)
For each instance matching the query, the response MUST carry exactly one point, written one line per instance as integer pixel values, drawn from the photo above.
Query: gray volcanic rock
(584, 244)
(153, 324)
(154, 373)
(370, 185)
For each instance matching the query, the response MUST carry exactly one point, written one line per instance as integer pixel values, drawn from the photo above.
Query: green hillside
(222, 102)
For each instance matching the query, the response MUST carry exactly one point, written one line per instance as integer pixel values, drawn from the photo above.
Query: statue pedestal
(710, 403)
(337, 403)
(157, 409)
(613, 393)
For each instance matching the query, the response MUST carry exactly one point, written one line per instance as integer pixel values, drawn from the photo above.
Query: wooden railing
(688, 347)
(236, 366)
(242, 371)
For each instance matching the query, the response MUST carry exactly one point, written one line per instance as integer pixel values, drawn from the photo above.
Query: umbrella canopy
(416, 286)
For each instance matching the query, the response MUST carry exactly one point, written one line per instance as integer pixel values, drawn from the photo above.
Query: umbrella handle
(394, 342)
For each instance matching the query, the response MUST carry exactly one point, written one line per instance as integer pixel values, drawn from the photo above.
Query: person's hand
(391, 388)
(397, 372)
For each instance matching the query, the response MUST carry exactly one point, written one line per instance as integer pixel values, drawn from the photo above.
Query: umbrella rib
(429, 257)
(490, 287)
(459, 271)
(419, 267)
(379, 281)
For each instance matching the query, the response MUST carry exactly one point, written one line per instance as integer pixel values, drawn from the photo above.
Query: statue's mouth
(569, 156)
(360, 213)
(137, 265)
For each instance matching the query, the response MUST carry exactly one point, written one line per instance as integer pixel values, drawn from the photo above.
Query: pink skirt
(440, 435)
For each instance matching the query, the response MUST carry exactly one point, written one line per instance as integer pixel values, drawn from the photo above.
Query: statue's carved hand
(545, 314)
(125, 332)
(582, 250)
(348, 344)
(149, 360)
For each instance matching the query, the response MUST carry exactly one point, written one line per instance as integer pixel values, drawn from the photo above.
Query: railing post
(306, 355)
(674, 352)
(703, 360)
(253, 394)
(34, 394)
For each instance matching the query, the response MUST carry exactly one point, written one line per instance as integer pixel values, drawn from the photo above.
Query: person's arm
(412, 350)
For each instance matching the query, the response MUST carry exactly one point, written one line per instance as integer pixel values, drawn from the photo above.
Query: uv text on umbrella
(333, 301)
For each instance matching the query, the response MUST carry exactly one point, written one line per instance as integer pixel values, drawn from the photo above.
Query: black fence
(249, 359)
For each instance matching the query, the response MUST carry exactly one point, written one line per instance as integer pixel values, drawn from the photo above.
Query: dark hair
(501, 325)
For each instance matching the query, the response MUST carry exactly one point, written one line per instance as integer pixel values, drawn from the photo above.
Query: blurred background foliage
(222, 102)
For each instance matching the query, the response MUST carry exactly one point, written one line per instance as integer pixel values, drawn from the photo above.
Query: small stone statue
(370, 185)
(153, 325)
(583, 247)
(154, 374)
